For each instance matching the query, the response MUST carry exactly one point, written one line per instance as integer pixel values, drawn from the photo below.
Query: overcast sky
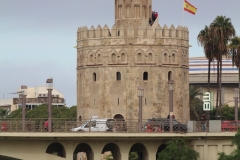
(37, 36)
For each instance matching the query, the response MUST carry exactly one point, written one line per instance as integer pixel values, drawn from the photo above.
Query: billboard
(208, 101)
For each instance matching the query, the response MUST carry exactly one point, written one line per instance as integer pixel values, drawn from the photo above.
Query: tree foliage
(228, 113)
(42, 112)
(195, 103)
(178, 149)
(235, 155)
(3, 113)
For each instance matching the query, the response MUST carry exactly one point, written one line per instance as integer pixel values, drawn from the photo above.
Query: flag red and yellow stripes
(189, 8)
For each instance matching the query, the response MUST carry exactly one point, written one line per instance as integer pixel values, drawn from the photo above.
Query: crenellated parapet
(157, 34)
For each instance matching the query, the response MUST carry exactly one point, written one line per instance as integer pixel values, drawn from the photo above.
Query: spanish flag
(189, 8)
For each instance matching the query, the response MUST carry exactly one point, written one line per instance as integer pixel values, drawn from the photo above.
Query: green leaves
(42, 112)
(178, 149)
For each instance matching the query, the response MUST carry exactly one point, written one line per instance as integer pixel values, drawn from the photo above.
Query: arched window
(169, 75)
(173, 57)
(99, 58)
(94, 77)
(113, 57)
(139, 57)
(91, 58)
(165, 57)
(118, 76)
(122, 57)
(150, 56)
(145, 76)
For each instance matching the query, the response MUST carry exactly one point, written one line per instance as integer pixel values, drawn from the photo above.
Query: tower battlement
(158, 35)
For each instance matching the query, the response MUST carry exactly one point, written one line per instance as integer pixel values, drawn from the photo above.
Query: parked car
(230, 125)
(164, 124)
(96, 125)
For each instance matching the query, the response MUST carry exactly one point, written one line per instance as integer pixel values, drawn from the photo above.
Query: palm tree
(234, 52)
(195, 103)
(3, 113)
(206, 42)
(221, 31)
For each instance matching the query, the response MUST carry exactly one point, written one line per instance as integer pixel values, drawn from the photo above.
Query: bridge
(66, 145)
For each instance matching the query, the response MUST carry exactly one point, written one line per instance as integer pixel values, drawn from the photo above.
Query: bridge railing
(159, 125)
(71, 125)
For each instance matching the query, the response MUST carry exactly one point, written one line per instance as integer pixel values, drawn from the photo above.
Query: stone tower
(113, 62)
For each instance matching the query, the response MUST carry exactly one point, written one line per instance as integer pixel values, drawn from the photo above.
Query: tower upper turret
(132, 12)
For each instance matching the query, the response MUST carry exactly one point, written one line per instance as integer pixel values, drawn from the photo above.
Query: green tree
(42, 112)
(195, 103)
(235, 155)
(3, 113)
(234, 52)
(133, 156)
(208, 46)
(178, 149)
(221, 31)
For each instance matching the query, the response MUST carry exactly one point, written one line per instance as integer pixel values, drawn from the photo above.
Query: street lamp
(140, 95)
(171, 82)
(23, 95)
(49, 85)
(236, 94)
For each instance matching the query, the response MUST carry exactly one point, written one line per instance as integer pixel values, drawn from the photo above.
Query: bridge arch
(140, 150)
(85, 148)
(160, 149)
(56, 149)
(114, 149)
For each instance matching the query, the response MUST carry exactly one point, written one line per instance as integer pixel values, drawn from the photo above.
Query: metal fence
(122, 126)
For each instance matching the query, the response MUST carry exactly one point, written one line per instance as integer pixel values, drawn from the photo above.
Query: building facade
(113, 63)
(198, 76)
(35, 96)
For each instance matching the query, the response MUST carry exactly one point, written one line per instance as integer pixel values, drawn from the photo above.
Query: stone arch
(112, 148)
(165, 56)
(160, 149)
(173, 56)
(118, 117)
(85, 149)
(56, 149)
(120, 123)
(140, 150)
(123, 55)
(150, 55)
(113, 56)
(139, 56)
(99, 56)
(91, 57)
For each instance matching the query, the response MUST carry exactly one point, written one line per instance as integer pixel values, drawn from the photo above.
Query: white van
(96, 125)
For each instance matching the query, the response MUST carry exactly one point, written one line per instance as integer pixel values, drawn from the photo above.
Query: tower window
(145, 76)
(91, 58)
(122, 57)
(118, 76)
(113, 57)
(139, 56)
(165, 57)
(173, 57)
(145, 101)
(150, 56)
(94, 77)
(118, 101)
(169, 75)
(118, 33)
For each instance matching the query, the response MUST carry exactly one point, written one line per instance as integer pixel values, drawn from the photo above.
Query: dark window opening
(145, 101)
(118, 76)
(118, 33)
(94, 77)
(94, 102)
(145, 76)
(169, 75)
(118, 101)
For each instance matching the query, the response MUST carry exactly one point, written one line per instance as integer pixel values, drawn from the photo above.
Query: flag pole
(183, 12)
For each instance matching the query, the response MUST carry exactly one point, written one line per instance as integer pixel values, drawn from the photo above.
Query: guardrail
(125, 126)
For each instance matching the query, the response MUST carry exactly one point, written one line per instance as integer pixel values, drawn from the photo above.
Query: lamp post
(171, 82)
(140, 95)
(236, 94)
(49, 85)
(23, 94)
